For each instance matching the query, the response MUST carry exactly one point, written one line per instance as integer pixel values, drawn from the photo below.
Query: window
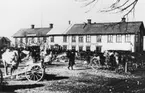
(73, 38)
(44, 39)
(16, 41)
(80, 38)
(26, 40)
(99, 38)
(65, 47)
(118, 38)
(21, 40)
(80, 48)
(41, 40)
(110, 38)
(87, 48)
(88, 38)
(127, 38)
(74, 47)
(32, 40)
(136, 38)
(64, 38)
(29, 40)
(52, 39)
(98, 49)
(38, 39)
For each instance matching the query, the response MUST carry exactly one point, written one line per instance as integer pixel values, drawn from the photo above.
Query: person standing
(71, 57)
(88, 56)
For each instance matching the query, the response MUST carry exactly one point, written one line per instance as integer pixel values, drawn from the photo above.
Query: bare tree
(126, 6)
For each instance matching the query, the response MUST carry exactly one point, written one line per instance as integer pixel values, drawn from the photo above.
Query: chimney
(51, 25)
(32, 26)
(89, 21)
(123, 19)
(69, 22)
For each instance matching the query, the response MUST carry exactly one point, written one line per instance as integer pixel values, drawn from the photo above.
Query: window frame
(21, 40)
(110, 38)
(74, 47)
(99, 38)
(80, 48)
(81, 39)
(64, 38)
(127, 38)
(44, 39)
(52, 39)
(119, 38)
(73, 38)
(88, 38)
(87, 48)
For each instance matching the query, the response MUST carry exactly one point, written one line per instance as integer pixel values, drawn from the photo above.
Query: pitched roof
(105, 28)
(32, 32)
(59, 29)
(5, 39)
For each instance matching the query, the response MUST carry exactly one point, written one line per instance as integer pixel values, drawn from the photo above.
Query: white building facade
(126, 36)
(95, 42)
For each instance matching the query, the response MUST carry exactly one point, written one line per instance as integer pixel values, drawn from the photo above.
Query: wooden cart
(33, 72)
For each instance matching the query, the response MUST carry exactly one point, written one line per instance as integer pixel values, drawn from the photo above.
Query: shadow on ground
(54, 77)
(55, 65)
(12, 88)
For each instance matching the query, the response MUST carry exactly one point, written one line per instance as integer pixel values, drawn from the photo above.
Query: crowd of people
(109, 59)
(112, 59)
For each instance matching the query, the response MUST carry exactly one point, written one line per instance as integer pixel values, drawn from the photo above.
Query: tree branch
(126, 6)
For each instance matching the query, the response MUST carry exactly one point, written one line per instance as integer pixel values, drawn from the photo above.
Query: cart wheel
(94, 64)
(1, 77)
(35, 73)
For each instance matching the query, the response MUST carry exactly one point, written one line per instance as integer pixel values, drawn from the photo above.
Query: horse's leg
(11, 70)
(99, 62)
(5, 68)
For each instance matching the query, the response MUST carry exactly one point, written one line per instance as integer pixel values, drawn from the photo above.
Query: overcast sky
(17, 14)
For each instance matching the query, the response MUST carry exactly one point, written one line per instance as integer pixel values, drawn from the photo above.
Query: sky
(18, 14)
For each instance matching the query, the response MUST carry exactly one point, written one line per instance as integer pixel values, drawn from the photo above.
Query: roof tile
(105, 28)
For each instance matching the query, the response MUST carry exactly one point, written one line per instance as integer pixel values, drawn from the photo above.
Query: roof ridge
(107, 27)
(110, 22)
(68, 28)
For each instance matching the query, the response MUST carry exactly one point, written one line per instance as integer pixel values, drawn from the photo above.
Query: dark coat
(71, 57)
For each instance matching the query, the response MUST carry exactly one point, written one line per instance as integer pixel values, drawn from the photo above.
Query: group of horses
(113, 60)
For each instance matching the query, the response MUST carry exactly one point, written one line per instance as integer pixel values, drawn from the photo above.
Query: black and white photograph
(72, 46)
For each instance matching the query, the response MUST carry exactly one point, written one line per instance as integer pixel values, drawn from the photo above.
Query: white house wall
(57, 40)
(105, 45)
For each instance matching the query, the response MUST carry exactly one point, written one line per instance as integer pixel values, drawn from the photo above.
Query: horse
(10, 59)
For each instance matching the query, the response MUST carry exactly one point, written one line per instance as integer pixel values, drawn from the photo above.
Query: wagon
(33, 71)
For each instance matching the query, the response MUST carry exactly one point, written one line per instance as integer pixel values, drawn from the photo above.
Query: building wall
(104, 44)
(27, 41)
(57, 40)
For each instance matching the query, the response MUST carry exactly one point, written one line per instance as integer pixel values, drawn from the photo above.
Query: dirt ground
(58, 79)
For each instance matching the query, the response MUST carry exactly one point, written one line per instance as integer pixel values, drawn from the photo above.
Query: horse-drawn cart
(32, 69)
(33, 72)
